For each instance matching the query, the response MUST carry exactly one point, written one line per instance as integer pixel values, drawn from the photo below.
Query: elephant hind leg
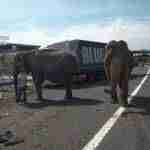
(114, 92)
(38, 87)
(115, 77)
(124, 92)
(68, 86)
(124, 89)
(39, 91)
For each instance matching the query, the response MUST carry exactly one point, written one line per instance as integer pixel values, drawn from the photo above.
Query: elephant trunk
(71, 64)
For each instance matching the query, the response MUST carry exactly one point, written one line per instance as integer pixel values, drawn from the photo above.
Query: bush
(6, 64)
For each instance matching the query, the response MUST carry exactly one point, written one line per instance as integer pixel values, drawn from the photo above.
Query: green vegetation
(6, 64)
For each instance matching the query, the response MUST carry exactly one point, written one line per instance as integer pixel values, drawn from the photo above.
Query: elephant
(132, 62)
(52, 65)
(131, 59)
(116, 64)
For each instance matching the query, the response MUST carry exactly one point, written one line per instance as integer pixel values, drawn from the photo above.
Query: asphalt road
(69, 125)
(132, 130)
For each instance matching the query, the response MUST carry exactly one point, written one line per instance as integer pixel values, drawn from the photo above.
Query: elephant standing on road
(116, 65)
(55, 66)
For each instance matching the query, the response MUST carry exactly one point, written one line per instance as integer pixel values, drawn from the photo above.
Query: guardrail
(8, 80)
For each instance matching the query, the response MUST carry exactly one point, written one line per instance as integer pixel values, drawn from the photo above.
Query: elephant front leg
(114, 92)
(68, 86)
(124, 92)
(124, 88)
(39, 92)
(38, 87)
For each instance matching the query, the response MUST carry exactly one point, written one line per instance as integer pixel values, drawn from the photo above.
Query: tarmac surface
(57, 124)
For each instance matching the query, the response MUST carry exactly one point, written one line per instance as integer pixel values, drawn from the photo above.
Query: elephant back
(58, 61)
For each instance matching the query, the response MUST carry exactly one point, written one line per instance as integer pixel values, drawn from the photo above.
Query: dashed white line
(99, 136)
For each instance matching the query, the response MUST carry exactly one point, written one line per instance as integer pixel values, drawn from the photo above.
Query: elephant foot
(124, 103)
(68, 97)
(17, 100)
(39, 99)
(114, 101)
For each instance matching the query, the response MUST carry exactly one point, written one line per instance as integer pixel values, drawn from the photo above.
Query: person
(21, 87)
(116, 64)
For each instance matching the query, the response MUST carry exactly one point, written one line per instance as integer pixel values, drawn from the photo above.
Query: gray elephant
(116, 63)
(55, 66)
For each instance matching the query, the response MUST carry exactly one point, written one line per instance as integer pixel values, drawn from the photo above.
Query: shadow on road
(81, 85)
(139, 105)
(134, 76)
(91, 84)
(62, 102)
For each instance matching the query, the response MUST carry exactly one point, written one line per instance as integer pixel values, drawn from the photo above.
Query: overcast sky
(47, 21)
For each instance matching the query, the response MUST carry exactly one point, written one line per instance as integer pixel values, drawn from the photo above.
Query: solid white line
(99, 136)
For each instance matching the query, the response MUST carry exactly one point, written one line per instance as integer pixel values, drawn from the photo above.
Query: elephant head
(21, 61)
(111, 45)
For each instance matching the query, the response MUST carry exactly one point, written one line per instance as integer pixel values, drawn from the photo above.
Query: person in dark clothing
(21, 87)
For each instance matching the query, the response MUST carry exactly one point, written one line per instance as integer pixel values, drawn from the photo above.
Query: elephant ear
(111, 47)
(112, 44)
(132, 61)
(123, 45)
(27, 58)
(16, 64)
(19, 63)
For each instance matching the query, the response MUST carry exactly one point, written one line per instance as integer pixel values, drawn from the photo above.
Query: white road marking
(99, 136)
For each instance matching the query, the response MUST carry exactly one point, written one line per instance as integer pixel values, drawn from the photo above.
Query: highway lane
(132, 131)
(65, 125)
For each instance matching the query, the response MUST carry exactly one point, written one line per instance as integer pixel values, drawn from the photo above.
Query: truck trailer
(90, 55)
